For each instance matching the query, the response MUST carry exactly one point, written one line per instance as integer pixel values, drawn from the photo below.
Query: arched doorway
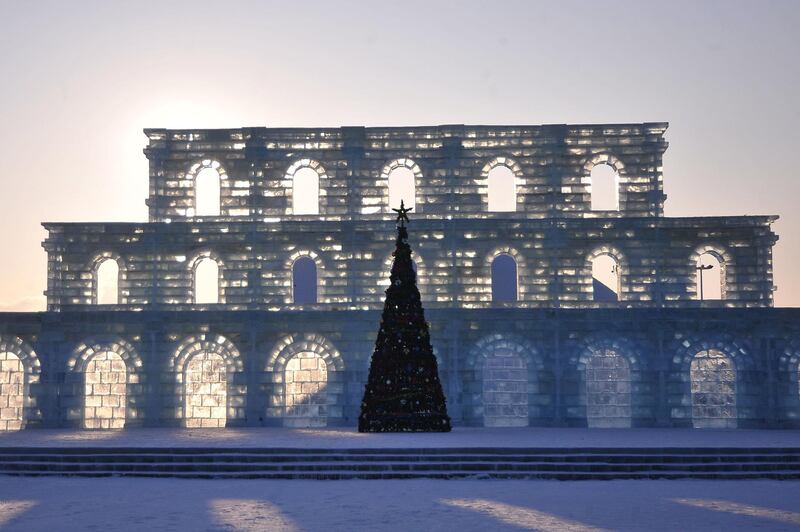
(205, 282)
(305, 191)
(107, 282)
(207, 192)
(402, 187)
(304, 281)
(505, 390)
(605, 278)
(12, 391)
(608, 390)
(205, 395)
(713, 381)
(710, 276)
(605, 188)
(501, 183)
(105, 391)
(504, 279)
(306, 398)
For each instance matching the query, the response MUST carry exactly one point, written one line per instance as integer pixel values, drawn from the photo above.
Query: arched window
(305, 191)
(107, 282)
(713, 381)
(105, 392)
(207, 192)
(306, 380)
(710, 277)
(304, 281)
(206, 281)
(605, 278)
(505, 390)
(402, 187)
(605, 188)
(502, 189)
(206, 392)
(608, 390)
(12, 391)
(504, 279)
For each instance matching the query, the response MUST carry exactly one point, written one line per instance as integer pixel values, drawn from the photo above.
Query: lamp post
(701, 268)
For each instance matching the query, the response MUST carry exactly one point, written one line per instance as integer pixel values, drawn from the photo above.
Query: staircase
(440, 463)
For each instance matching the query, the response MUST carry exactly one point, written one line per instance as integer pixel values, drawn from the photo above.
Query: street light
(701, 268)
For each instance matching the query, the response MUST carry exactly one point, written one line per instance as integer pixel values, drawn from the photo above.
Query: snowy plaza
(64, 504)
(471, 504)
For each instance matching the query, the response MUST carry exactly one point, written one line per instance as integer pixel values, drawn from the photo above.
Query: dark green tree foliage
(403, 392)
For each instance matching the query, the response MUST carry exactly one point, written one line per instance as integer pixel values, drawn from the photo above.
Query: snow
(343, 438)
(66, 504)
(128, 504)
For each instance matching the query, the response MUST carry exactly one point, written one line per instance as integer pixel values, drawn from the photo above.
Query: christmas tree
(403, 392)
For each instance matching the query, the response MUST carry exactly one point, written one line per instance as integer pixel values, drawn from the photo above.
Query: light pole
(701, 268)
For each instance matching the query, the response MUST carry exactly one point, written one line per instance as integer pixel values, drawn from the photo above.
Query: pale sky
(80, 80)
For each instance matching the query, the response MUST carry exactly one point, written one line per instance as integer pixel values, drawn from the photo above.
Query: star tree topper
(402, 217)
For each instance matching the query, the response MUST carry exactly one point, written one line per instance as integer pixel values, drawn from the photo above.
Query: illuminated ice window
(305, 191)
(207, 192)
(605, 188)
(505, 390)
(605, 278)
(306, 380)
(105, 392)
(502, 189)
(304, 281)
(608, 390)
(107, 282)
(710, 277)
(12, 390)
(205, 395)
(401, 187)
(504, 279)
(206, 281)
(713, 379)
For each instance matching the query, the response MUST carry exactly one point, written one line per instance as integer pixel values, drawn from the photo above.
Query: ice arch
(503, 363)
(306, 380)
(105, 391)
(608, 390)
(504, 279)
(107, 279)
(304, 281)
(206, 393)
(205, 281)
(208, 370)
(207, 188)
(12, 391)
(713, 381)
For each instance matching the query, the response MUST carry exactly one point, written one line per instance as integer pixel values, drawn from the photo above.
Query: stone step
(499, 451)
(387, 466)
(247, 459)
(508, 475)
(402, 463)
(260, 458)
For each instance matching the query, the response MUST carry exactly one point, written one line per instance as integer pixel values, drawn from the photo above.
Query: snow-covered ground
(64, 504)
(121, 504)
(350, 438)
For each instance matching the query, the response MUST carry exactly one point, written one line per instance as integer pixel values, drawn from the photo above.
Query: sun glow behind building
(125, 67)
